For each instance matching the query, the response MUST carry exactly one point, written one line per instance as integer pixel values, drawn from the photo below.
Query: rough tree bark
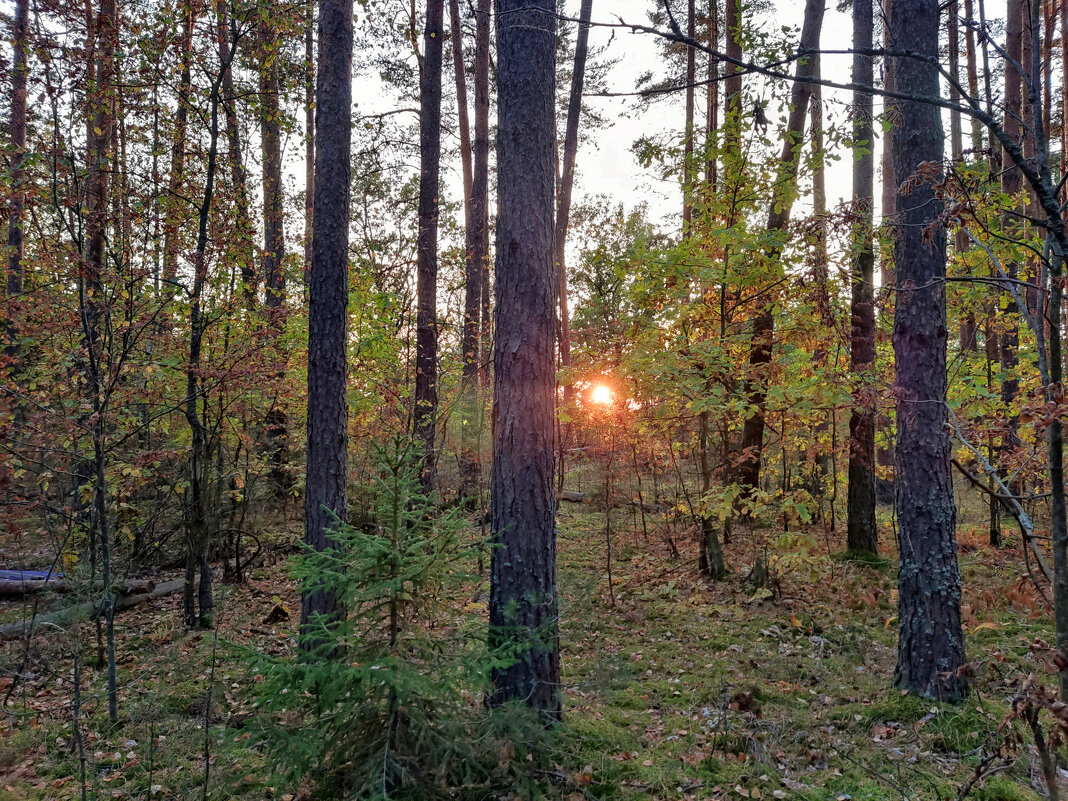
(930, 639)
(747, 472)
(426, 333)
(309, 136)
(861, 532)
(325, 493)
(523, 601)
(688, 176)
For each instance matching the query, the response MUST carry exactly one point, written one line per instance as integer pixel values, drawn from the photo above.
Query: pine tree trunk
(930, 639)
(309, 137)
(567, 174)
(523, 602)
(688, 131)
(861, 532)
(973, 73)
(327, 464)
(747, 473)
(426, 337)
(480, 181)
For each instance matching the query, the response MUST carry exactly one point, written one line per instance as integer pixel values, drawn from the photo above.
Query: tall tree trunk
(426, 336)
(861, 532)
(198, 535)
(245, 248)
(973, 72)
(271, 143)
(688, 133)
(176, 182)
(1011, 186)
(567, 174)
(309, 137)
(930, 639)
(732, 88)
(523, 602)
(459, 73)
(327, 465)
(968, 341)
(712, 100)
(747, 473)
(17, 204)
(101, 153)
(474, 266)
(480, 181)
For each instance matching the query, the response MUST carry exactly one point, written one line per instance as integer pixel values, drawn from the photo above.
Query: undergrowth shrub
(396, 712)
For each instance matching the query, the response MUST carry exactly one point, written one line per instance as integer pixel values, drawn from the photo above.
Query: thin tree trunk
(480, 180)
(273, 196)
(17, 204)
(930, 639)
(176, 182)
(523, 602)
(712, 100)
(245, 249)
(327, 471)
(426, 357)
(457, 36)
(688, 132)
(973, 73)
(747, 473)
(309, 137)
(733, 85)
(100, 147)
(861, 532)
(567, 175)
(1011, 186)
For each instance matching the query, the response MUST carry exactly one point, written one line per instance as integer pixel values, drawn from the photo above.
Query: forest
(625, 400)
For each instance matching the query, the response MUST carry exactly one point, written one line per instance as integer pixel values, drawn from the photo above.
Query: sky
(607, 165)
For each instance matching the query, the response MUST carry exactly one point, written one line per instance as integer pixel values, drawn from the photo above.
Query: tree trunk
(327, 470)
(101, 151)
(747, 473)
(480, 187)
(271, 144)
(523, 602)
(17, 203)
(245, 249)
(309, 137)
(476, 188)
(733, 84)
(426, 336)
(457, 36)
(688, 131)
(973, 73)
(930, 639)
(176, 182)
(861, 532)
(1010, 186)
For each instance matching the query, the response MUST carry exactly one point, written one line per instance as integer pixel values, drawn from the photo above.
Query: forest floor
(679, 689)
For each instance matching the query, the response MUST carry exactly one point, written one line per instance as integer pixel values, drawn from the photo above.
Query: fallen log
(87, 610)
(16, 588)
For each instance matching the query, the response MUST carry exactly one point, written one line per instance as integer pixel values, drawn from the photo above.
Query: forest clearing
(501, 401)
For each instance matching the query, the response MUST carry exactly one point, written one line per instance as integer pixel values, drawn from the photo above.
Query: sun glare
(601, 394)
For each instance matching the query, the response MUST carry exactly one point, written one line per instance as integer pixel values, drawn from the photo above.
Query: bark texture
(523, 595)
(861, 530)
(426, 334)
(17, 203)
(930, 639)
(325, 494)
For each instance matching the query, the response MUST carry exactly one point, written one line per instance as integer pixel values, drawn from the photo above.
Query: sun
(601, 394)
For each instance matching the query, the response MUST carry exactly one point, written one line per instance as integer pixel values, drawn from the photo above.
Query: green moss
(1003, 788)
